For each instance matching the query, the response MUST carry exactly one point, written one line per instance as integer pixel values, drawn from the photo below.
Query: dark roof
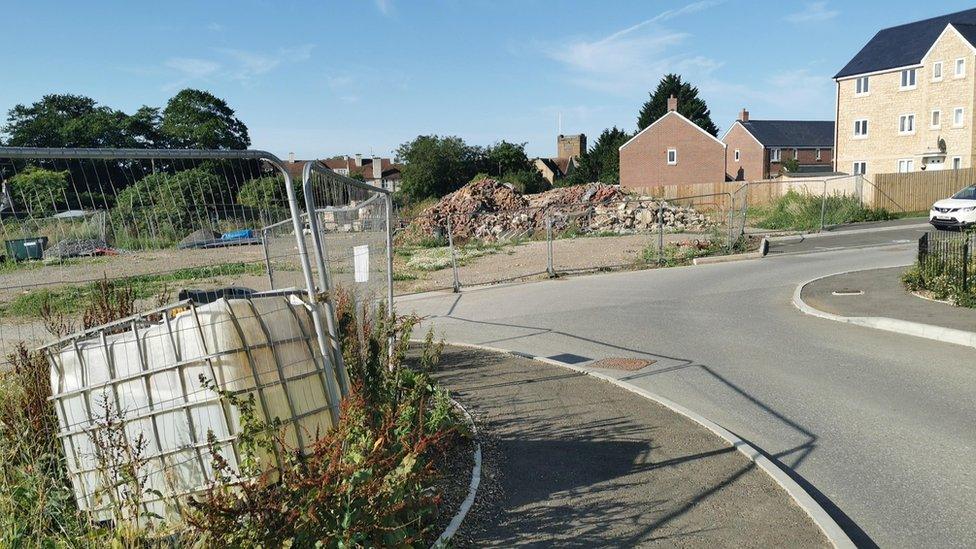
(792, 133)
(906, 44)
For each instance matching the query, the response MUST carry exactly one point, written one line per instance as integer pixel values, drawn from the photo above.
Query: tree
(38, 191)
(509, 163)
(435, 166)
(197, 119)
(601, 162)
(78, 121)
(690, 105)
(269, 193)
(167, 205)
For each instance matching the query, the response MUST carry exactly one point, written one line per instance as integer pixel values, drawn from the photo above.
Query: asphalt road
(867, 235)
(881, 426)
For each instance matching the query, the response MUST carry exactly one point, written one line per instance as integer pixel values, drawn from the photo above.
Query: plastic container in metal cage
(148, 368)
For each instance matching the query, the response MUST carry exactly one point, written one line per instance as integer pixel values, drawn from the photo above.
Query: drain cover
(846, 291)
(629, 364)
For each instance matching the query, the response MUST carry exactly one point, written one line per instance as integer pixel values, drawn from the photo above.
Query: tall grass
(802, 212)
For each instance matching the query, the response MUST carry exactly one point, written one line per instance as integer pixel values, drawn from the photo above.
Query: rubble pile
(490, 210)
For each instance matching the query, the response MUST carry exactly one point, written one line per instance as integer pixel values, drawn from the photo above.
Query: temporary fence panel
(352, 234)
(181, 230)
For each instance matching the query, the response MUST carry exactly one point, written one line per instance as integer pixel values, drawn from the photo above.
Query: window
(818, 155)
(957, 119)
(908, 79)
(672, 156)
(937, 71)
(956, 162)
(737, 155)
(905, 166)
(796, 154)
(861, 86)
(906, 123)
(774, 155)
(860, 168)
(861, 128)
(961, 67)
(936, 119)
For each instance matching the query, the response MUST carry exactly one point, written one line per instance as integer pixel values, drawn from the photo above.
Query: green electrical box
(26, 248)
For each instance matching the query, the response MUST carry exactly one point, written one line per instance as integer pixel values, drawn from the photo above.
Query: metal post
(450, 243)
(660, 231)
(389, 273)
(965, 266)
(731, 219)
(549, 263)
(267, 257)
(745, 208)
(823, 206)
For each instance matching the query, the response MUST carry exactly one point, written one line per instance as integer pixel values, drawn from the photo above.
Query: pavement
(877, 426)
(883, 296)
(897, 232)
(576, 462)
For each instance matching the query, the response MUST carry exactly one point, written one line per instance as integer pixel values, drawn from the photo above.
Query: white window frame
(956, 162)
(959, 68)
(906, 121)
(861, 128)
(906, 165)
(937, 66)
(672, 157)
(859, 167)
(935, 119)
(737, 156)
(796, 154)
(775, 155)
(906, 75)
(862, 86)
(818, 155)
(958, 117)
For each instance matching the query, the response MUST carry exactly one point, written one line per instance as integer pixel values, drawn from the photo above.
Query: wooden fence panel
(917, 191)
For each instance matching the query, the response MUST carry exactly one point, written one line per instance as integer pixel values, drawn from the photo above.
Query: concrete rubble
(490, 210)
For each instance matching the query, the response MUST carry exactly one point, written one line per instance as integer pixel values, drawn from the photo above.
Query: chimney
(744, 116)
(291, 157)
(359, 160)
(672, 103)
(377, 167)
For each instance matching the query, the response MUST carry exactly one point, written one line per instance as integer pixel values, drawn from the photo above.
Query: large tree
(71, 121)
(435, 166)
(509, 163)
(690, 105)
(600, 163)
(197, 119)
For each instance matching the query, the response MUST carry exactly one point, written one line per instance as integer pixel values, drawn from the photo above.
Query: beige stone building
(905, 102)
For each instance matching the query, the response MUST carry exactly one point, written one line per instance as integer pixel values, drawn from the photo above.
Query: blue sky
(330, 77)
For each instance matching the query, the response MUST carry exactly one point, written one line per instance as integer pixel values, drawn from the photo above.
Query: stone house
(568, 150)
(905, 101)
(757, 149)
(672, 151)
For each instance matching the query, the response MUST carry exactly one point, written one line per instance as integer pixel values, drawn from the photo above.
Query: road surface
(882, 426)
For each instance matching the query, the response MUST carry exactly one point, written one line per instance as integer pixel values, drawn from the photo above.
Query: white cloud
(812, 12)
(384, 6)
(215, 27)
(190, 67)
(634, 58)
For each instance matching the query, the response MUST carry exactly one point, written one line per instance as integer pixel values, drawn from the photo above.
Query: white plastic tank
(149, 369)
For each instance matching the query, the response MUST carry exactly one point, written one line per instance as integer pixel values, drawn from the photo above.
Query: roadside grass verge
(71, 299)
(801, 212)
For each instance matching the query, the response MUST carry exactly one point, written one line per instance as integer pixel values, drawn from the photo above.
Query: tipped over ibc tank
(148, 369)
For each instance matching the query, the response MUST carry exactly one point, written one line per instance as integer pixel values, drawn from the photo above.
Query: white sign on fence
(360, 256)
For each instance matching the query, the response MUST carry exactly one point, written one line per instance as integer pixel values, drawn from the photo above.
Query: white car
(957, 212)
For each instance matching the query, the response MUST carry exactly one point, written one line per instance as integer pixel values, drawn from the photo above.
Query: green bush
(943, 281)
(38, 191)
(269, 193)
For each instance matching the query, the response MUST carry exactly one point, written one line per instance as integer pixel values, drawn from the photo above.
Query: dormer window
(908, 79)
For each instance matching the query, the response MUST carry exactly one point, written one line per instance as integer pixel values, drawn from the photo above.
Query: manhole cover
(629, 364)
(848, 292)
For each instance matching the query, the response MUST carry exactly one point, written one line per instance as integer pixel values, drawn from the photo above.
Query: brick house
(569, 148)
(905, 102)
(672, 151)
(379, 172)
(756, 149)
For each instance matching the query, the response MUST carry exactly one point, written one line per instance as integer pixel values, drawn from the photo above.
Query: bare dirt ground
(528, 260)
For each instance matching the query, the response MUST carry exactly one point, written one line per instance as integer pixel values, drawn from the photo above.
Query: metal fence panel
(204, 255)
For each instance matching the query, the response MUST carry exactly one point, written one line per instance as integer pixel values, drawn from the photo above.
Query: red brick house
(672, 151)
(756, 149)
